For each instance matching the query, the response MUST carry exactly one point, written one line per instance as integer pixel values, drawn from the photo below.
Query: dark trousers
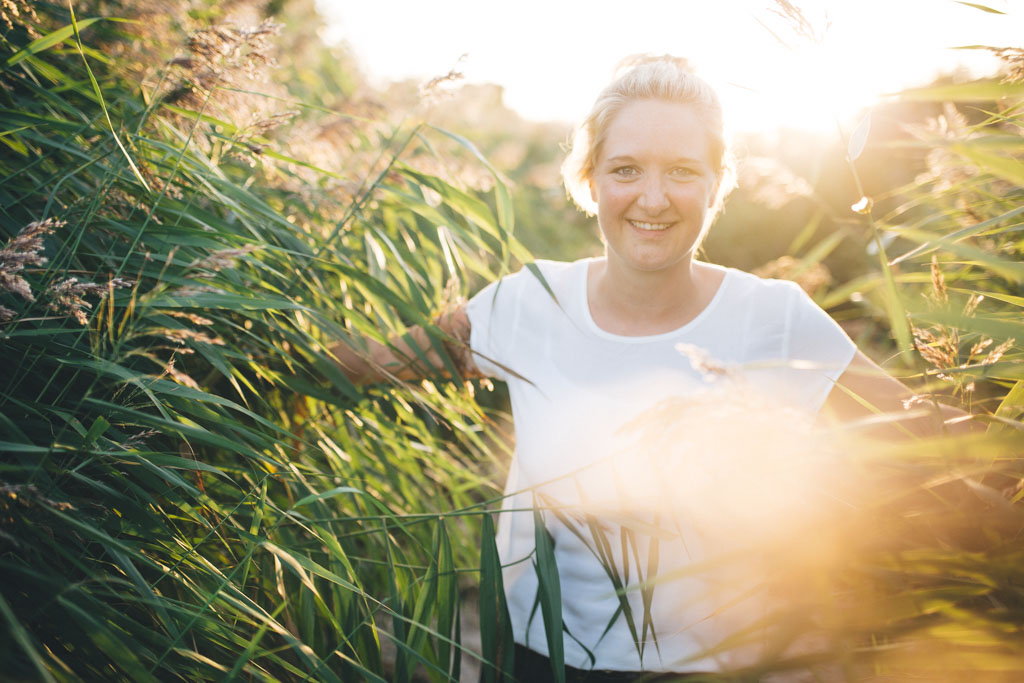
(533, 667)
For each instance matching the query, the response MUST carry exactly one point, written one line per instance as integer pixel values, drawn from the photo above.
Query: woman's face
(653, 182)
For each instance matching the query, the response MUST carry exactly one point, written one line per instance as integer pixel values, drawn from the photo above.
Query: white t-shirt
(624, 437)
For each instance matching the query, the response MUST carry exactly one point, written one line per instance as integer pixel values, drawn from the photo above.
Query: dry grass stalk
(179, 376)
(972, 304)
(138, 440)
(700, 360)
(945, 169)
(939, 296)
(26, 494)
(810, 278)
(24, 249)
(220, 58)
(771, 183)
(191, 317)
(979, 346)
(938, 349)
(196, 291)
(159, 186)
(223, 258)
(67, 295)
(995, 354)
(180, 336)
(798, 23)
(19, 11)
(435, 88)
(1013, 62)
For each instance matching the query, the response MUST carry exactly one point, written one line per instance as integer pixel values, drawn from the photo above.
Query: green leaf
(977, 91)
(337, 491)
(983, 8)
(999, 166)
(1012, 404)
(21, 636)
(497, 646)
(550, 596)
(57, 37)
(103, 105)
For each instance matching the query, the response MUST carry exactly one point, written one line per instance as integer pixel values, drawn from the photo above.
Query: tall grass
(192, 490)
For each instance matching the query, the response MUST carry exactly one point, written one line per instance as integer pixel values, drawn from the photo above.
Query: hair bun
(642, 58)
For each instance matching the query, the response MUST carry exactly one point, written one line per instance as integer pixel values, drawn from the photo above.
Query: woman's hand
(414, 356)
(866, 389)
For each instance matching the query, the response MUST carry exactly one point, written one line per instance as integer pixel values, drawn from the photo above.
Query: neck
(639, 303)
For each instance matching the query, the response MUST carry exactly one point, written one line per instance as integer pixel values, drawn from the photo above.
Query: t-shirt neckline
(588, 320)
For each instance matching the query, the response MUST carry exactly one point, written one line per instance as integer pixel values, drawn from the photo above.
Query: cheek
(612, 196)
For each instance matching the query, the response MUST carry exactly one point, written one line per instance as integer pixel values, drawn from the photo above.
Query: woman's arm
(412, 357)
(875, 388)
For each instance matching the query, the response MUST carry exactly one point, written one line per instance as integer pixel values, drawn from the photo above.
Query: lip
(662, 226)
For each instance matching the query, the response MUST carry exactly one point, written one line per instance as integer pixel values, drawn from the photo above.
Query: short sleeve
(817, 345)
(493, 314)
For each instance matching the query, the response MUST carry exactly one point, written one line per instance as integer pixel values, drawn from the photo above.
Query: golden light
(742, 499)
(553, 58)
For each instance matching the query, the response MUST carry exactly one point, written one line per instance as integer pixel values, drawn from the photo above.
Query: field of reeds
(191, 490)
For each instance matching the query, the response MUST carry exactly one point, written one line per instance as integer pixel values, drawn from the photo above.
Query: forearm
(379, 362)
(866, 392)
(941, 419)
(415, 355)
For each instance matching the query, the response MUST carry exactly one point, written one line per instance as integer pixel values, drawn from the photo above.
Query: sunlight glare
(866, 49)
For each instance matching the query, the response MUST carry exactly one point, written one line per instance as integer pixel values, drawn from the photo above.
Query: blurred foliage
(191, 489)
(196, 202)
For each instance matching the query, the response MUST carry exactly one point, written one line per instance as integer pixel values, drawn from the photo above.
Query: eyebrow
(627, 158)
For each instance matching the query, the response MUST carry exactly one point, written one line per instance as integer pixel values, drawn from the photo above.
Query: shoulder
(762, 292)
(544, 273)
(515, 307)
(552, 278)
(541, 284)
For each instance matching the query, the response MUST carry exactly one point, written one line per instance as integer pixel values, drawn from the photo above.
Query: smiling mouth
(649, 227)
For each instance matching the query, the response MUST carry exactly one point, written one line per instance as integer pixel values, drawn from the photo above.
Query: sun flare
(769, 75)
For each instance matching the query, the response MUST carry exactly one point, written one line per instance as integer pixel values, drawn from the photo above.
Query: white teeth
(650, 226)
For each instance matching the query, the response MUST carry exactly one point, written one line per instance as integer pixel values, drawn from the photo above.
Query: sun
(811, 89)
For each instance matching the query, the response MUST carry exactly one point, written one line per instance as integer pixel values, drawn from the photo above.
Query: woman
(593, 352)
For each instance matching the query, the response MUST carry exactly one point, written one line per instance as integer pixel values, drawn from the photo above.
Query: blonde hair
(648, 77)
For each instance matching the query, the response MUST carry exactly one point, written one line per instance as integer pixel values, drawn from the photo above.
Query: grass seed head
(810, 278)
(180, 336)
(67, 297)
(191, 317)
(939, 296)
(1013, 62)
(24, 249)
(940, 350)
(19, 11)
(979, 346)
(772, 183)
(224, 258)
(179, 376)
(972, 304)
(701, 361)
(995, 354)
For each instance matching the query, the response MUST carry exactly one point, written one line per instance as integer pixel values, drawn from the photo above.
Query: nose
(653, 199)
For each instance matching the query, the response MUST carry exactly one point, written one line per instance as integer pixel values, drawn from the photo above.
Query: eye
(683, 172)
(625, 171)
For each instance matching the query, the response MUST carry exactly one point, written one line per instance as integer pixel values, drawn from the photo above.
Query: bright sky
(553, 56)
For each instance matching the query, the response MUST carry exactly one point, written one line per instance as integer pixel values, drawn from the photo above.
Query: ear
(593, 190)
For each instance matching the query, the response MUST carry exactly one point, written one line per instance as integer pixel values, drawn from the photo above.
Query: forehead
(657, 129)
